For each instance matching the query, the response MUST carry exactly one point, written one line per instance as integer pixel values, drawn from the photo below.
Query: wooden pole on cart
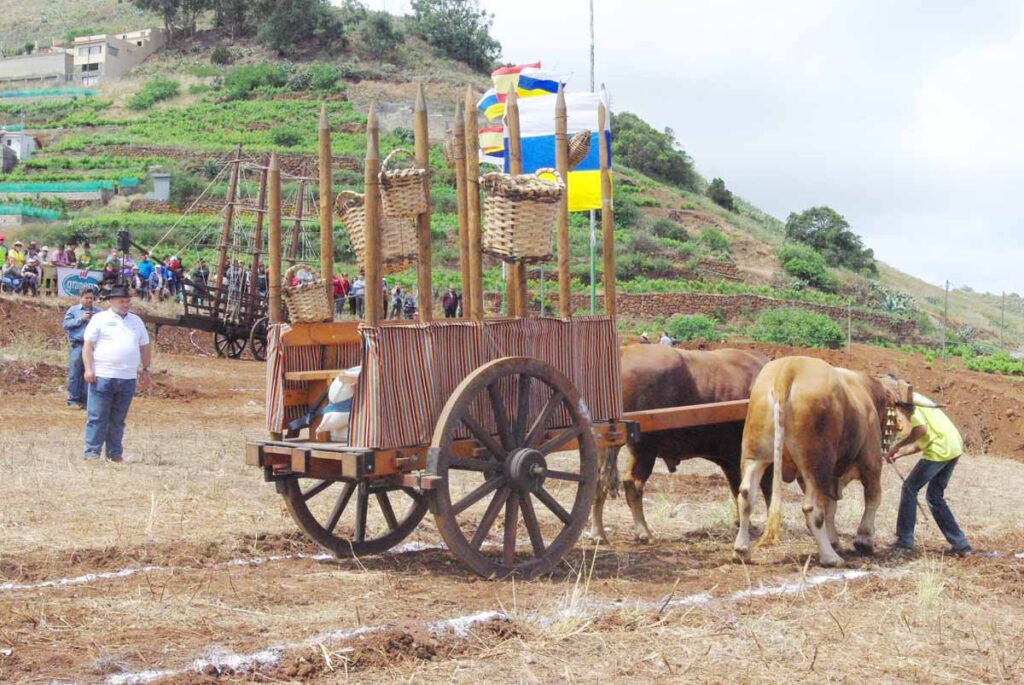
(371, 252)
(515, 287)
(425, 293)
(326, 206)
(460, 194)
(300, 200)
(562, 218)
(607, 214)
(274, 239)
(225, 233)
(257, 246)
(473, 202)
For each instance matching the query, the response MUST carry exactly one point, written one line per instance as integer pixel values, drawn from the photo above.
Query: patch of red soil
(24, 378)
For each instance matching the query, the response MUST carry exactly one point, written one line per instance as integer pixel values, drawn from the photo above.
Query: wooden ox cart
(474, 419)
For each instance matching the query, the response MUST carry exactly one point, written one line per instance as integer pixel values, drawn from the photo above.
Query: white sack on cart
(336, 415)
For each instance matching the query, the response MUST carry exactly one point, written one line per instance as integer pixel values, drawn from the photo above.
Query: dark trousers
(936, 475)
(76, 376)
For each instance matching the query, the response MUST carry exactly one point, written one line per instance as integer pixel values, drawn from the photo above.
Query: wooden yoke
(473, 203)
(274, 239)
(607, 213)
(562, 223)
(424, 294)
(371, 252)
(515, 167)
(461, 202)
(326, 206)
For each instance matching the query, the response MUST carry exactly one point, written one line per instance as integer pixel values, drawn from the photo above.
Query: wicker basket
(579, 148)
(306, 302)
(519, 213)
(402, 191)
(397, 240)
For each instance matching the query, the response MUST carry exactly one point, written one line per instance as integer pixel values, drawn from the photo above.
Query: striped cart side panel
(275, 378)
(595, 365)
(457, 349)
(300, 358)
(362, 427)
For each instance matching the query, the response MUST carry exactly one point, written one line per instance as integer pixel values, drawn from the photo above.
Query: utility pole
(593, 214)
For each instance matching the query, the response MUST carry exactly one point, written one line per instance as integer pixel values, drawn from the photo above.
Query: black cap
(117, 291)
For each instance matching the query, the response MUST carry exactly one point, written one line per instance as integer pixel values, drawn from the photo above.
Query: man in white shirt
(116, 341)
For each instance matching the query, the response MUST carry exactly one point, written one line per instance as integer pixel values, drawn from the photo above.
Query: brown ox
(655, 377)
(823, 426)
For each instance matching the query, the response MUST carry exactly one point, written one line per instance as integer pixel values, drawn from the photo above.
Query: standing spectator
(126, 265)
(409, 306)
(385, 295)
(75, 321)
(86, 260)
(72, 253)
(110, 277)
(139, 286)
(112, 257)
(60, 257)
(339, 294)
(666, 339)
(33, 249)
(450, 302)
(146, 266)
(44, 256)
(116, 342)
(396, 303)
(645, 338)
(156, 283)
(17, 253)
(356, 296)
(11, 276)
(30, 275)
(3, 249)
(200, 280)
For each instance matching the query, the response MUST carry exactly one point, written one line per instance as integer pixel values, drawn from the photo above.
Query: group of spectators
(352, 294)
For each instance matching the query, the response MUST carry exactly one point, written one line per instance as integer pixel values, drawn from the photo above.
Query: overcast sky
(903, 116)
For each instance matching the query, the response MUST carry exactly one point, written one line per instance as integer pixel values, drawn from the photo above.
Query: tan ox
(823, 426)
(655, 377)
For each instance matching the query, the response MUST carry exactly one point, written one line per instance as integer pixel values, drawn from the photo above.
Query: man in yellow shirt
(928, 431)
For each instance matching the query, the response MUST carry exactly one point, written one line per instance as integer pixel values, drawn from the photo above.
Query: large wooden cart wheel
(535, 412)
(353, 518)
(228, 345)
(258, 340)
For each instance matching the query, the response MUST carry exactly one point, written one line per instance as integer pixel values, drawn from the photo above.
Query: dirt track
(185, 568)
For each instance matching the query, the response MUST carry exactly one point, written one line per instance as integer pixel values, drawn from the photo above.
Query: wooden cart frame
(483, 440)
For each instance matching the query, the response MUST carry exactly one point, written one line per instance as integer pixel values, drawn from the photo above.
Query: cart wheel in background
(228, 345)
(536, 412)
(353, 518)
(258, 340)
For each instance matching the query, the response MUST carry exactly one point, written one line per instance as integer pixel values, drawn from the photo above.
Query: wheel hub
(527, 469)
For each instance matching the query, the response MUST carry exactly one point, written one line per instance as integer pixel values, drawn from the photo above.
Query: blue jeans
(936, 475)
(109, 399)
(76, 376)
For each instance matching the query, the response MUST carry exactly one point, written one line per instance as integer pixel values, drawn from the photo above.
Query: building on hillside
(87, 61)
(22, 143)
(111, 56)
(8, 160)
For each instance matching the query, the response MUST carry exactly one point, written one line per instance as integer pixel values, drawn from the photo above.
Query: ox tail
(773, 526)
(608, 478)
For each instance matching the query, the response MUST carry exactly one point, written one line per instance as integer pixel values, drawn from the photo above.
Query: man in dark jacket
(450, 303)
(75, 321)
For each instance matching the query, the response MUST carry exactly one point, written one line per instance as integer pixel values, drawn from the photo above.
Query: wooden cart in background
(493, 424)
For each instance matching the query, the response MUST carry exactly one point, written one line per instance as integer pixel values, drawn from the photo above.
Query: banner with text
(70, 281)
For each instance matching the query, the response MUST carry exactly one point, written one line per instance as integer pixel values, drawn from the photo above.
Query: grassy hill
(669, 238)
(42, 21)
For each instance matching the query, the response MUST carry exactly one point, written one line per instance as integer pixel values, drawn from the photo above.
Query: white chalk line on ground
(460, 626)
(87, 578)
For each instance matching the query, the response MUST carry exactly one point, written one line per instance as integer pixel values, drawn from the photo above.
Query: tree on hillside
(721, 195)
(175, 13)
(298, 22)
(459, 29)
(234, 16)
(379, 34)
(636, 144)
(828, 232)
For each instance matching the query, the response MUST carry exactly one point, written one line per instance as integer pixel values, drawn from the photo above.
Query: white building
(87, 61)
(23, 144)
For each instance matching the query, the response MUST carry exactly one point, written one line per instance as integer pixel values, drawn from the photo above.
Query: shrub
(804, 263)
(221, 55)
(797, 327)
(298, 23)
(459, 29)
(626, 213)
(285, 136)
(721, 195)
(379, 34)
(198, 88)
(314, 76)
(241, 81)
(184, 188)
(693, 327)
(715, 241)
(828, 232)
(155, 90)
(666, 228)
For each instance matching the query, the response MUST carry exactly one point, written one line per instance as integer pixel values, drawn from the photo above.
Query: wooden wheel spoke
(511, 523)
(563, 475)
(488, 486)
(540, 424)
(339, 507)
(385, 506)
(522, 408)
(500, 418)
(485, 438)
(487, 522)
(560, 440)
(552, 504)
(362, 504)
(469, 464)
(316, 490)
(532, 525)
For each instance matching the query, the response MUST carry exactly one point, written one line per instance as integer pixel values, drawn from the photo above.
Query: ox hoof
(601, 537)
(832, 562)
(865, 547)
(642, 539)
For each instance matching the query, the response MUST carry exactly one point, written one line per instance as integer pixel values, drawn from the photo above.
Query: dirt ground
(186, 568)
